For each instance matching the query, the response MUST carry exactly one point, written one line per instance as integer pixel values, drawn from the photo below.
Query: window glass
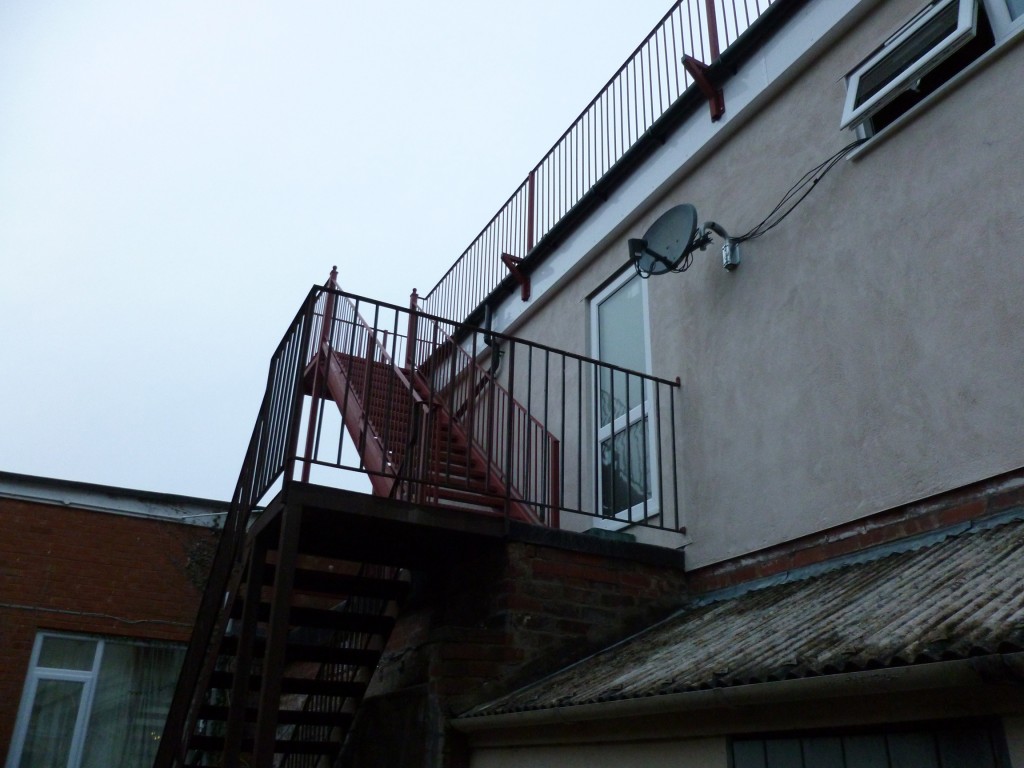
(67, 653)
(133, 693)
(1016, 8)
(625, 443)
(52, 726)
(624, 470)
(966, 744)
(621, 342)
(94, 702)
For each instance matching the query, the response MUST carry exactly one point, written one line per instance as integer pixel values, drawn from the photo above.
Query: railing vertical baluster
(410, 348)
(614, 120)
(530, 207)
(675, 468)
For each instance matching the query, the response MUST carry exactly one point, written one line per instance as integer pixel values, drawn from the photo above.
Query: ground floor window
(91, 702)
(945, 745)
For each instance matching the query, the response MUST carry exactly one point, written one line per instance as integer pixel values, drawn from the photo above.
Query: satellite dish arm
(715, 227)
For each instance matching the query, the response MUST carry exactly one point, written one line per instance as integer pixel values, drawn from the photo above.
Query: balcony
(442, 414)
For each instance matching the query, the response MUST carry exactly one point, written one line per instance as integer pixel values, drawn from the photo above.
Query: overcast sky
(175, 175)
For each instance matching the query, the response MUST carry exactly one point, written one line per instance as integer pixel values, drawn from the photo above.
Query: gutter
(979, 671)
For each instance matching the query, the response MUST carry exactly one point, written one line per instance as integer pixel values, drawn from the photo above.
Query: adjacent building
(98, 591)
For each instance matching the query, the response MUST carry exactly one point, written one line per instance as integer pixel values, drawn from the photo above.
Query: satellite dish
(667, 243)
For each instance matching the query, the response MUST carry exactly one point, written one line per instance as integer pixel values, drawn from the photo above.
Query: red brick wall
(516, 610)
(70, 569)
(494, 618)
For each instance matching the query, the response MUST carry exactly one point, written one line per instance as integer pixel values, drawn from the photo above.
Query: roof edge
(959, 673)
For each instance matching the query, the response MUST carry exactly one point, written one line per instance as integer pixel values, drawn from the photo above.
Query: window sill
(955, 83)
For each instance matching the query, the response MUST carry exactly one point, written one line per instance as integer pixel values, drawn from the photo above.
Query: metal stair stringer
(302, 636)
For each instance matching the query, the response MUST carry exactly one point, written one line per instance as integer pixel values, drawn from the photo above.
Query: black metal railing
(406, 396)
(643, 89)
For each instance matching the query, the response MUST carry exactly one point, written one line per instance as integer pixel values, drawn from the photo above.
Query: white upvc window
(1007, 17)
(625, 439)
(918, 46)
(903, 63)
(91, 702)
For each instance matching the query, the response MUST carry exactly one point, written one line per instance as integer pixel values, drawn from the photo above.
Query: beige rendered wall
(691, 753)
(868, 351)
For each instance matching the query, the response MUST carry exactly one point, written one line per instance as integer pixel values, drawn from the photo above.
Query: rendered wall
(868, 351)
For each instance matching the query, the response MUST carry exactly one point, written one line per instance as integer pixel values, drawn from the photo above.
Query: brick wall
(69, 569)
(499, 616)
(538, 608)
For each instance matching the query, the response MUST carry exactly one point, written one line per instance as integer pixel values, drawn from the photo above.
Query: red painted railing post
(530, 208)
(712, 15)
(410, 341)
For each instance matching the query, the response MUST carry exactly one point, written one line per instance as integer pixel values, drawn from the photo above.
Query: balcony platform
(348, 525)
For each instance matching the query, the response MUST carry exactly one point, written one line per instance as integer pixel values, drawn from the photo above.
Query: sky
(175, 176)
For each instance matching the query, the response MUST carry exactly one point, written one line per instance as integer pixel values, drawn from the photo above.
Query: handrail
(528, 421)
(643, 89)
(466, 388)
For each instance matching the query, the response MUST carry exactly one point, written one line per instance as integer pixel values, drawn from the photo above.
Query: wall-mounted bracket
(700, 71)
(513, 262)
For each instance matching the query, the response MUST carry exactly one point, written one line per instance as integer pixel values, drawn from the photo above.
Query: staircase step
(325, 654)
(317, 618)
(284, 716)
(337, 688)
(465, 497)
(343, 584)
(343, 620)
(292, 746)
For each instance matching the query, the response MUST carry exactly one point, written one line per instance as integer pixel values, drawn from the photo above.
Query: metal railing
(547, 432)
(631, 102)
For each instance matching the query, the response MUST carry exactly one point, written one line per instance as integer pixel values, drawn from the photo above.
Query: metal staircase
(457, 439)
(299, 640)
(293, 624)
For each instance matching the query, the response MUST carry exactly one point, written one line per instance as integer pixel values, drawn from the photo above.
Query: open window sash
(918, 46)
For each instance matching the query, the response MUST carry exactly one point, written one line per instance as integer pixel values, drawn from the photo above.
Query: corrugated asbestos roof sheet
(959, 596)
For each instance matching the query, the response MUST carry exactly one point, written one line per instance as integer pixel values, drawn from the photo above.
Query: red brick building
(96, 584)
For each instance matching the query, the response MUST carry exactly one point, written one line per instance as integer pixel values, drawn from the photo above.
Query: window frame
(1003, 24)
(752, 750)
(639, 414)
(1005, 30)
(854, 114)
(88, 678)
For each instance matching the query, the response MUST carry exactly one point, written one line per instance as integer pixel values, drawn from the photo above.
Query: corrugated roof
(956, 597)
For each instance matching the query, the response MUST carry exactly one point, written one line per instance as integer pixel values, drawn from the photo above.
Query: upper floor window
(90, 702)
(927, 51)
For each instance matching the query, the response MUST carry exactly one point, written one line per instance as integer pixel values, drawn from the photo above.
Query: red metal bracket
(513, 262)
(699, 72)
